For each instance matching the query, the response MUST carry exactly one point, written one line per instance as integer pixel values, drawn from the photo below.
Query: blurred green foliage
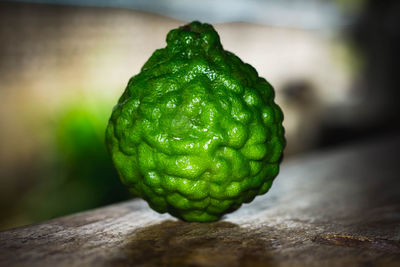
(78, 173)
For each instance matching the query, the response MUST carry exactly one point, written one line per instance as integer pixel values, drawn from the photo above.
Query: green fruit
(196, 133)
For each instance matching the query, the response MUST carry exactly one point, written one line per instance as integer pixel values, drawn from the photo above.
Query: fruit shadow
(178, 243)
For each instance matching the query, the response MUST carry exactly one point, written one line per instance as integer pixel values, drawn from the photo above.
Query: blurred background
(64, 64)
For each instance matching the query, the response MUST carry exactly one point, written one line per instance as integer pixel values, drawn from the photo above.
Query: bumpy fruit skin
(196, 133)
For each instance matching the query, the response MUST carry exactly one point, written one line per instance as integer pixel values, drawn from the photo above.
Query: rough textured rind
(196, 133)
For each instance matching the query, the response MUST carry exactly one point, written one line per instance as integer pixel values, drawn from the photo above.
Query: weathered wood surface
(330, 208)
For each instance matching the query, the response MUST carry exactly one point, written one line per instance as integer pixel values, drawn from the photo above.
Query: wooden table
(330, 208)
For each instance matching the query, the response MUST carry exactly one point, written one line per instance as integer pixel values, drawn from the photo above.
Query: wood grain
(329, 208)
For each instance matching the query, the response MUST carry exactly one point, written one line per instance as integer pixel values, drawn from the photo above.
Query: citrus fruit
(197, 132)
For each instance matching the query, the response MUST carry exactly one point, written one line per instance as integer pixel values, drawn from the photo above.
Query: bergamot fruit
(196, 133)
